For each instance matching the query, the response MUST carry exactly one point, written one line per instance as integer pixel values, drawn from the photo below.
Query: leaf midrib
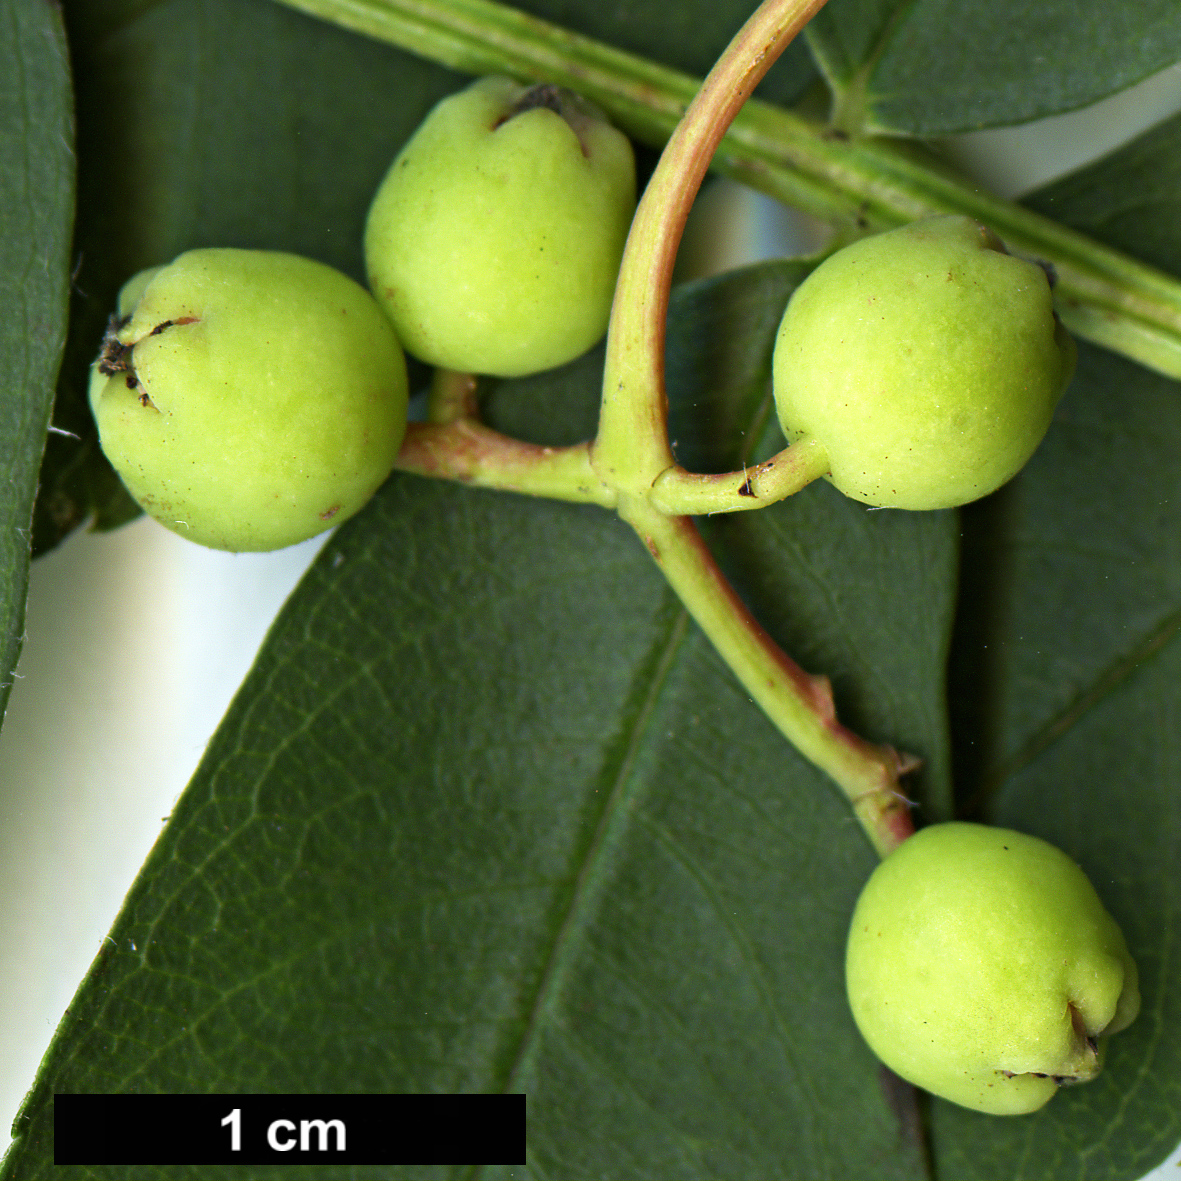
(563, 948)
(1062, 723)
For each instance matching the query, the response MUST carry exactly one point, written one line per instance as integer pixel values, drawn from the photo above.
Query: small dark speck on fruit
(115, 356)
(328, 514)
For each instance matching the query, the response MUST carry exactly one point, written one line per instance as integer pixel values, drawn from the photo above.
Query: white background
(137, 640)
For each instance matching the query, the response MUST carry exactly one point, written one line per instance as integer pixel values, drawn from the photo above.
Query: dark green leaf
(1066, 676)
(1130, 199)
(1068, 669)
(932, 67)
(36, 210)
(490, 814)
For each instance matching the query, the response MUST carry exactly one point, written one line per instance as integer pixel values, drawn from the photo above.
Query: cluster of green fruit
(250, 400)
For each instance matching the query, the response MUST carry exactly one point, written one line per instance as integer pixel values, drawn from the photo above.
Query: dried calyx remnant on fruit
(494, 241)
(249, 399)
(926, 361)
(982, 967)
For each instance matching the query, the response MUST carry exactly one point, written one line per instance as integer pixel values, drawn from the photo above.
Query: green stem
(866, 184)
(632, 449)
(471, 453)
(631, 453)
(678, 492)
(800, 705)
(452, 397)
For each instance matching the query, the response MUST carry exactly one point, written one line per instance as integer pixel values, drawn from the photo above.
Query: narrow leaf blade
(36, 215)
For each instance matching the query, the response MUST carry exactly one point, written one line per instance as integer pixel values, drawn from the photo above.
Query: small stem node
(681, 493)
(471, 453)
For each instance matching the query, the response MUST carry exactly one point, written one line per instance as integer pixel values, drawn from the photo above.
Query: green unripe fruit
(983, 968)
(249, 399)
(494, 241)
(926, 361)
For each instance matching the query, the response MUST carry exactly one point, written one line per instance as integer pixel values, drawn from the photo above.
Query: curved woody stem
(678, 492)
(632, 455)
(632, 445)
(453, 444)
